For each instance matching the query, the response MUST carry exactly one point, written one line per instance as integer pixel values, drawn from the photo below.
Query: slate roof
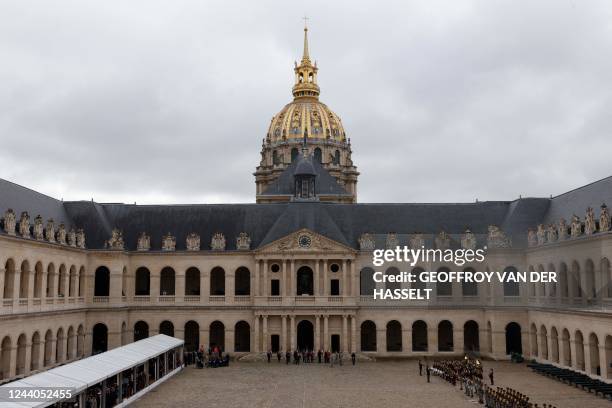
(325, 183)
(21, 199)
(576, 201)
(266, 223)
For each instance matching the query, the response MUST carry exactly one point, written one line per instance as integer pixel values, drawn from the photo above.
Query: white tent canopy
(90, 371)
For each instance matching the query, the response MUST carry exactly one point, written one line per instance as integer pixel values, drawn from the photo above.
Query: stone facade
(49, 279)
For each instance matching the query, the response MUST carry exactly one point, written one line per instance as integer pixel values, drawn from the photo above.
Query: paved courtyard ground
(374, 384)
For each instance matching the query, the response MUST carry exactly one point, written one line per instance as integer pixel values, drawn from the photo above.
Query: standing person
(279, 355)
(319, 355)
(288, 357)
(491, 377)
(340, 357)
(420, 368)
(269, 355)
(428, 372)
(353, 357)
(332, 358)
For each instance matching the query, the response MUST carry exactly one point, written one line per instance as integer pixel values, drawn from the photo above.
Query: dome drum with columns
(306, 119)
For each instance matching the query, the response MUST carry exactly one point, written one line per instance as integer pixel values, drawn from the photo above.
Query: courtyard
(372, 384)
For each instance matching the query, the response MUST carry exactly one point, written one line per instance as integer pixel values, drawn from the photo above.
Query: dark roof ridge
(29, 189)
(177, 205)
(583, 186)
(432, 203)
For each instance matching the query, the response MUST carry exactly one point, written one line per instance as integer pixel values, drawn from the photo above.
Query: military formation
(468, 373)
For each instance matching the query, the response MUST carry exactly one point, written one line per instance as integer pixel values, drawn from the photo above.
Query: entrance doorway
(305, 335)
(275, 340)
(513, 338)
(335, 343)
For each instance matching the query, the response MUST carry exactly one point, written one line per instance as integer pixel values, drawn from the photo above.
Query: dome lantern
(306, 75)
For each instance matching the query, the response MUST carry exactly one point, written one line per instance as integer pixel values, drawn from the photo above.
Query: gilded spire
(306, 55)
(306, 74)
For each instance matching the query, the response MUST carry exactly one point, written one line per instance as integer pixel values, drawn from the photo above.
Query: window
(335, 287)
(317, 152)
(275, 287)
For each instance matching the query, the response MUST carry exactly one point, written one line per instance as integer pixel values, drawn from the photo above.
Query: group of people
(458, 370)
(505, 398)
(308, 356)
(213, 357)
(508, 398)
(469, 374)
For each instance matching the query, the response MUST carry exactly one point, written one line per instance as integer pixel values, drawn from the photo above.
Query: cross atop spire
(306, 55)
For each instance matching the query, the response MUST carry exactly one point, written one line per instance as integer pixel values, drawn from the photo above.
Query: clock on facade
(304, 241)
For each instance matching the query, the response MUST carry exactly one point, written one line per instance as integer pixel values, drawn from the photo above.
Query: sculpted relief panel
(192, 242)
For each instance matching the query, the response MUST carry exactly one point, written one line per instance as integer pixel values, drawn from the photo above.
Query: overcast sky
(168, 102)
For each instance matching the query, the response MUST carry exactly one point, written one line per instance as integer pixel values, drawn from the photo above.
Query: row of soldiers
(458, 370)
(508, 398)
(469, 374)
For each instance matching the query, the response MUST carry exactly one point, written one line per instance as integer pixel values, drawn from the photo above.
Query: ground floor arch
(513, 338)
(35, 350)
(554, 345)
(368, 336)
(445, 336)
(59, 346)
(544, 342)
(594, 354)
(305, 335)
(22, 342)
(217, 335)
(579, 341)
(71, 344)
(48, 358)
(489, 337)
(5, 357)
(141, 330)
(394, 336)
(471, 337)
(192, 336)
(533, 340)
(124, 334)
(166, 327)
(419, 336)
(567, 350)
(99, 342)
(242, 337)
(608, 345)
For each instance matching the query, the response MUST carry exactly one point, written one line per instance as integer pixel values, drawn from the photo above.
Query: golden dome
(306, 114)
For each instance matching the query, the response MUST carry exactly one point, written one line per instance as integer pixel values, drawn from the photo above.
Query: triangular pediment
(304, 241)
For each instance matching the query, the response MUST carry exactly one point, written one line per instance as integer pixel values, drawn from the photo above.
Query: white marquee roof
(91, 370)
